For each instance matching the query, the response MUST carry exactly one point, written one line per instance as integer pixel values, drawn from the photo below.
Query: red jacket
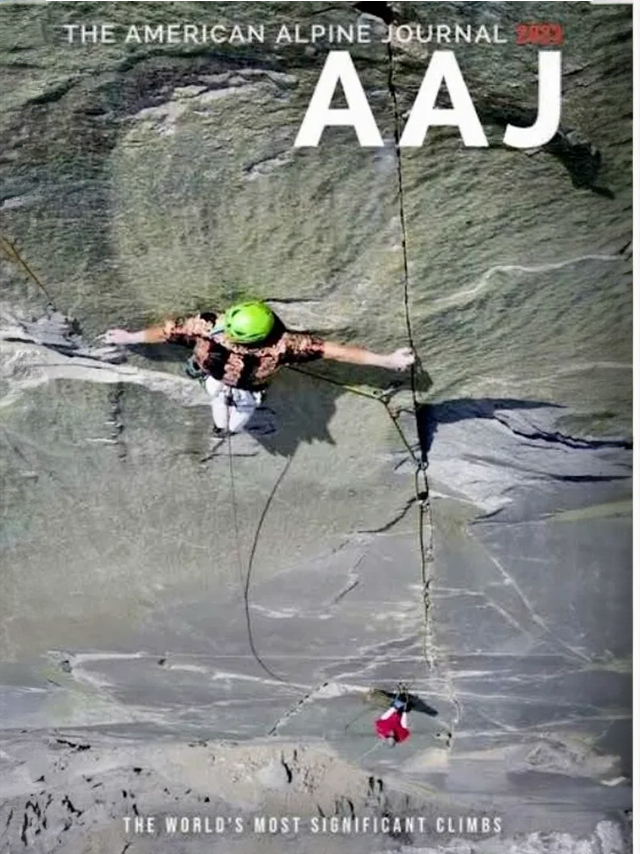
(392, 726)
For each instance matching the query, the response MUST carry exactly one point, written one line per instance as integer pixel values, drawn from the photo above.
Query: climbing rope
(420, 486)
(369, 750)
(246, 577)
(378, 397)
(254, 547)
(234, 508)
(425, 518)
(9, 252)
(421, 483)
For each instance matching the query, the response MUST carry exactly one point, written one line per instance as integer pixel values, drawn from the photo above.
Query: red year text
(539, 34)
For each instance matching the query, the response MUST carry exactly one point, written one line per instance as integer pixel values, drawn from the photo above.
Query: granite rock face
(469, 536)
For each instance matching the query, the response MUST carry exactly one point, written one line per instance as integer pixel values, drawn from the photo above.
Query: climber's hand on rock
(119, 336)
(401, 359)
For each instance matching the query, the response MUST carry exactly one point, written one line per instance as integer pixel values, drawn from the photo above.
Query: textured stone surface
(153, 180)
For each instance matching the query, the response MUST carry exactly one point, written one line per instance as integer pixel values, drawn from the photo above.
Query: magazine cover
(316, 428)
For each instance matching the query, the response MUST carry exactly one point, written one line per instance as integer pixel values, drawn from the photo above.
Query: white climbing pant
(389, 712)
(231, 407)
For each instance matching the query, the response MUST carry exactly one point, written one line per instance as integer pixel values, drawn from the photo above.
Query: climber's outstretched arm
(151, 335)
(399, 360)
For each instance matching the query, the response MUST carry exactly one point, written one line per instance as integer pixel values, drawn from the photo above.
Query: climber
(237, 353)
(392, 725)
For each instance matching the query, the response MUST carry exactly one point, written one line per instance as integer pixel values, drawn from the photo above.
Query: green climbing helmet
(248, 322)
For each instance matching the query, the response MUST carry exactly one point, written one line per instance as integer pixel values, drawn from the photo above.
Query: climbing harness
(400, 699)
(194, 371)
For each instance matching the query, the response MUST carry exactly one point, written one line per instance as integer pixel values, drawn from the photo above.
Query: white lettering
(90, 33)
(273, 824)
(151, 35)
(496, 35)
(70, 28)
(443, 68)
(549, 105)
(283, 35)
(463, 34)
(338, 68)
(132, 35)
(236, 36)
(173, 34)
(190, 33)
(404, 33)
(256, 33)
(482, 35)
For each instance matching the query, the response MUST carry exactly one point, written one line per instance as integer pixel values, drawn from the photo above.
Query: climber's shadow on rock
(431, 415)
(301, 402)
(414, 703)
(575, 151)
(296, 409)
(161, 352)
